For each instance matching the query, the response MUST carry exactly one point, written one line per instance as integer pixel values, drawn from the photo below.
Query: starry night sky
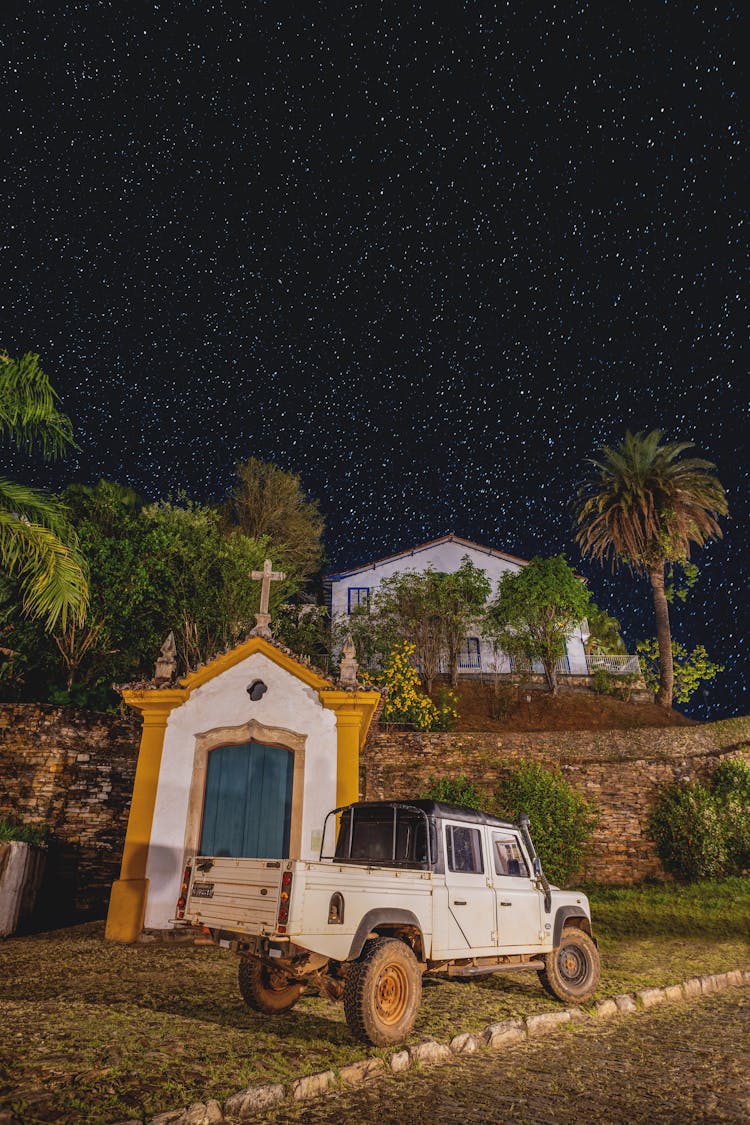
(427, 259)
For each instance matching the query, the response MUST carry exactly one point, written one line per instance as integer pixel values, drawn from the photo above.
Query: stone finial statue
(166, 665)
(349, 665)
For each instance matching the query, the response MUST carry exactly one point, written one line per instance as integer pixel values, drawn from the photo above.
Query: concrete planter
(21, 870)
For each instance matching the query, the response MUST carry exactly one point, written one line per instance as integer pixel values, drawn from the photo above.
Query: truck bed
(235, 894)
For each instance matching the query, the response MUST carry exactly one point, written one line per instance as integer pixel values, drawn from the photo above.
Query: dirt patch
(682, 1063)
(571, 709)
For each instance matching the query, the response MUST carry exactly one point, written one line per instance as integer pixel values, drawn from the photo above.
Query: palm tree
(644, 506)
(38, 546)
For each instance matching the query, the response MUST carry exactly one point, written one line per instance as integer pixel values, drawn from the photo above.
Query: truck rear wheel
(383, 992)
(265, 989)
(571, 970)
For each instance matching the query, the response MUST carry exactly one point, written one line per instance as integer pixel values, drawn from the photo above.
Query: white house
(350, 588)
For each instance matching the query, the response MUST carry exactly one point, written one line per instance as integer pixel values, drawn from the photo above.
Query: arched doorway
(247, 808)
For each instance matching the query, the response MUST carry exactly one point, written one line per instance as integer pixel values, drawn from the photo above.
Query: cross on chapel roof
(263, 618)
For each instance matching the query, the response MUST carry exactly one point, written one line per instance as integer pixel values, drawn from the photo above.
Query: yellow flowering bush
(405, 702)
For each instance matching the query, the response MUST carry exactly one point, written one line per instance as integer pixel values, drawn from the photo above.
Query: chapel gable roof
(227, 659)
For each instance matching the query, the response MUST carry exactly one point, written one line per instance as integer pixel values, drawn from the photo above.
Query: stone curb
(247, 1103)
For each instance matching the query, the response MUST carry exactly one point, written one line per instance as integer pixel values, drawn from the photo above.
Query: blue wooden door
(248, 806)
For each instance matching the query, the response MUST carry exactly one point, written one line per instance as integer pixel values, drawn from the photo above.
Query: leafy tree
(433, 610)
(303, 628)
(562, 822)
(154, 569)
(644, 506)
(690, 669)
(38, 546)
(604, 633)
(536, 609)
(207, 595)
(270, 503)
(373, 636)
(408, 606)
(462, 597)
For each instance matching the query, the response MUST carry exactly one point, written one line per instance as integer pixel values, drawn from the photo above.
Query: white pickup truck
(405, 889)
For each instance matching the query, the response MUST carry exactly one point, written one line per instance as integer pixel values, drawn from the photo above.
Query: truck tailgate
(235, 894)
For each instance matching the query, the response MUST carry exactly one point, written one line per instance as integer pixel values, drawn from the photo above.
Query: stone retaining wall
(73, 771)
(620, 770)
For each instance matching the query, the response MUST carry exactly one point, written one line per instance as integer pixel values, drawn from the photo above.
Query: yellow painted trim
(241, 652)
(127, 904)
(154, 702)
(363, 703)
(127, 910)
(354, 711)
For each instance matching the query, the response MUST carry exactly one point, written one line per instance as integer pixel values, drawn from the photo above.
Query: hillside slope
(570, 710)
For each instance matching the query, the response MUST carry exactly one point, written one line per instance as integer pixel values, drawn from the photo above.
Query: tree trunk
(550, 674)
(663, 637)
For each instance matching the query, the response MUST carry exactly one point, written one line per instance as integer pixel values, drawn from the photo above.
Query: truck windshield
(387, 836)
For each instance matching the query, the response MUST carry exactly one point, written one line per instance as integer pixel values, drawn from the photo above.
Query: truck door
(471, 898)
(520, 904)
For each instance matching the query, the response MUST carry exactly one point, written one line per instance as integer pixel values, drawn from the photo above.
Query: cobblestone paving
(675, 1064)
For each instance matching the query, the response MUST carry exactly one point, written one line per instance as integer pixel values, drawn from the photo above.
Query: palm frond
(47, 565)
(28, 407)
(643, 505)
(36, 506)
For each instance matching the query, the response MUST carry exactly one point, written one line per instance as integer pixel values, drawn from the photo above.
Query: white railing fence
(616, 664)
(624, 664)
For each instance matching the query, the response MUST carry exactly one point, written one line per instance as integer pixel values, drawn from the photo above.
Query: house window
(469, 656)
(358, 595)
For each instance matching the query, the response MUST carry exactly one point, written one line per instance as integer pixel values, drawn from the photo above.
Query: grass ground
(99, 1032)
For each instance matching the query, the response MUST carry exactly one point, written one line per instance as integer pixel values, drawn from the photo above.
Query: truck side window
(508, 856)
(463, 847)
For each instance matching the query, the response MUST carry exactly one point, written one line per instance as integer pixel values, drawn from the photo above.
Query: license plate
(203, 890)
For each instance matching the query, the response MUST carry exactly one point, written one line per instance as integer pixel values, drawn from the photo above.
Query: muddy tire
(571, 970)
(383, 992)
(265, 990)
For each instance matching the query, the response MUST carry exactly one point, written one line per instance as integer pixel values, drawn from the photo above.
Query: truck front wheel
(571, 970)
(383, 992)
(265, 989)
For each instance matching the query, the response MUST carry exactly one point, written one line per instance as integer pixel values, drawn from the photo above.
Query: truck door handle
(459, 902)
(506, 903)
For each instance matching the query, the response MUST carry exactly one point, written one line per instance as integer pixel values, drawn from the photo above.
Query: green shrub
(561, 820)
(25, 833)
(730, 785)
(686, 826)
(601, 682)
(704, 831)
(456, 791)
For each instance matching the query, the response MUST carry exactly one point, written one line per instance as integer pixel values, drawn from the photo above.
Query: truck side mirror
(536, 864)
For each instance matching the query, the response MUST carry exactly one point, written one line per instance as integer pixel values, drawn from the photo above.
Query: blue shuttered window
(469, 655)
(357, 596)
(248, 806)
